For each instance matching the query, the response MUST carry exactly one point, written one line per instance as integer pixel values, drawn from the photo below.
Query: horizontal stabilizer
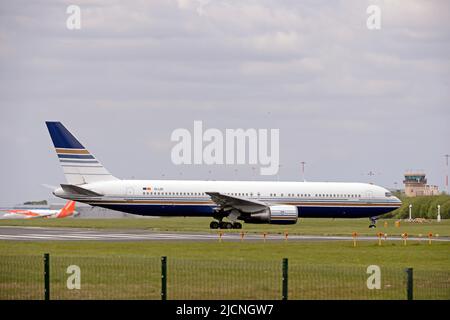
(76, 190)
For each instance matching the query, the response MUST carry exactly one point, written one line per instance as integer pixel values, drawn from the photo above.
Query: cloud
(139, 69)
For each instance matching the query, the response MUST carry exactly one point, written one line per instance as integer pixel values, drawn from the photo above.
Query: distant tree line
(36, 203)
(422, 207)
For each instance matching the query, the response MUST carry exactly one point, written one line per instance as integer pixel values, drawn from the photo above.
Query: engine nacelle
(282, 214)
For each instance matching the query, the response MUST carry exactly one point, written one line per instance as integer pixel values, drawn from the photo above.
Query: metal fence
(137, 277)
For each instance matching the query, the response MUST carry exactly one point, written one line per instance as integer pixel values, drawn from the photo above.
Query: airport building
(416, 185)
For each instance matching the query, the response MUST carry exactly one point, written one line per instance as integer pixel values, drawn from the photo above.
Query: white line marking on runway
(100, 235)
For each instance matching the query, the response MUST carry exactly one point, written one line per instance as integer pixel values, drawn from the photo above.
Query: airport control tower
(416, 185)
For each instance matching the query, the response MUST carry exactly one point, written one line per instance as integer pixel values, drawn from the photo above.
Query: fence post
(285, 280)
(163, 278)
(409, 283)
(46, 276)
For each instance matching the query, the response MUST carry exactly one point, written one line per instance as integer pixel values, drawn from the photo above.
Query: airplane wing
(76, 190)
(226, 202)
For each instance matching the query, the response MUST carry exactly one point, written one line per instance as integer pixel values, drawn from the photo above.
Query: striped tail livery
(79, 165)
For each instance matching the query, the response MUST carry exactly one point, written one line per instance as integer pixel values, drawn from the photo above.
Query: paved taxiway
(72, 234)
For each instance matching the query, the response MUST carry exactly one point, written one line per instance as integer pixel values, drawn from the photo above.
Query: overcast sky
(347, 100)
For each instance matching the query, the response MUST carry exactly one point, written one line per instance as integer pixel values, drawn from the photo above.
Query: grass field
(228, 270)
(391, 254)
(304, 226)
(213, 270)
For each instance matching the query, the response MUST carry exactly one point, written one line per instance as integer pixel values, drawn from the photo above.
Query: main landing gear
(225, 225)
(373, 222)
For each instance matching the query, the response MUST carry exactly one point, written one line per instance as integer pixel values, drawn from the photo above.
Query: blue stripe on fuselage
(202, 210)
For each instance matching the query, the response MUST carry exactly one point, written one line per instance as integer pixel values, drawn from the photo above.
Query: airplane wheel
(372, 226)
(228, 225)
(214, 225)
(237, 225)
(222, 225)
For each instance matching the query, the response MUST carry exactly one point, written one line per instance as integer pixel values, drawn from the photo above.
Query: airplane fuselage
(190, 198)
(250, 201)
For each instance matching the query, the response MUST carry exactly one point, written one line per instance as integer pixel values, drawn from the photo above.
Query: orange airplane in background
(67, 211)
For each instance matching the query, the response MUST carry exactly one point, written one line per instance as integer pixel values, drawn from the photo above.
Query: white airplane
(67, 211)
(249, 201)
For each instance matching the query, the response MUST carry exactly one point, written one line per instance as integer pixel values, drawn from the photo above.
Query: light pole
(371, 174)
(410, 212)
(439, 213)
(446, 173)
(303, 170)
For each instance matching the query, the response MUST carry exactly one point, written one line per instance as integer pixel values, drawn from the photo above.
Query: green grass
(227, 270)
(304, 226)
(390, 254)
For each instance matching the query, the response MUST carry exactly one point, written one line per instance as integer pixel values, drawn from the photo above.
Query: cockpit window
(388, 194)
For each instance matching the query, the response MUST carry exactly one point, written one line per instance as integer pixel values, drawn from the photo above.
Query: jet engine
(278, 214)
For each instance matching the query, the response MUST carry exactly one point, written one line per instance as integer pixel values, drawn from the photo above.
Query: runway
(73, 234)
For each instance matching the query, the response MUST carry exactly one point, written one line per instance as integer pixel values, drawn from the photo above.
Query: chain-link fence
(431, 284)
(21, 277)
(230, 279)
(308, 282)
(113, 277)
(138, 277)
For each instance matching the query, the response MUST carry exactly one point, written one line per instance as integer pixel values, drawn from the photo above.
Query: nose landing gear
(373, 222)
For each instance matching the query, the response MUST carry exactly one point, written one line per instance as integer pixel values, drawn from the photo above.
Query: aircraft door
(130, 192)
(368, 195)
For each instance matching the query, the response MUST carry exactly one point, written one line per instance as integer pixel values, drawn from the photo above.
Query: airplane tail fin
(79, 166)
(68, 210)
